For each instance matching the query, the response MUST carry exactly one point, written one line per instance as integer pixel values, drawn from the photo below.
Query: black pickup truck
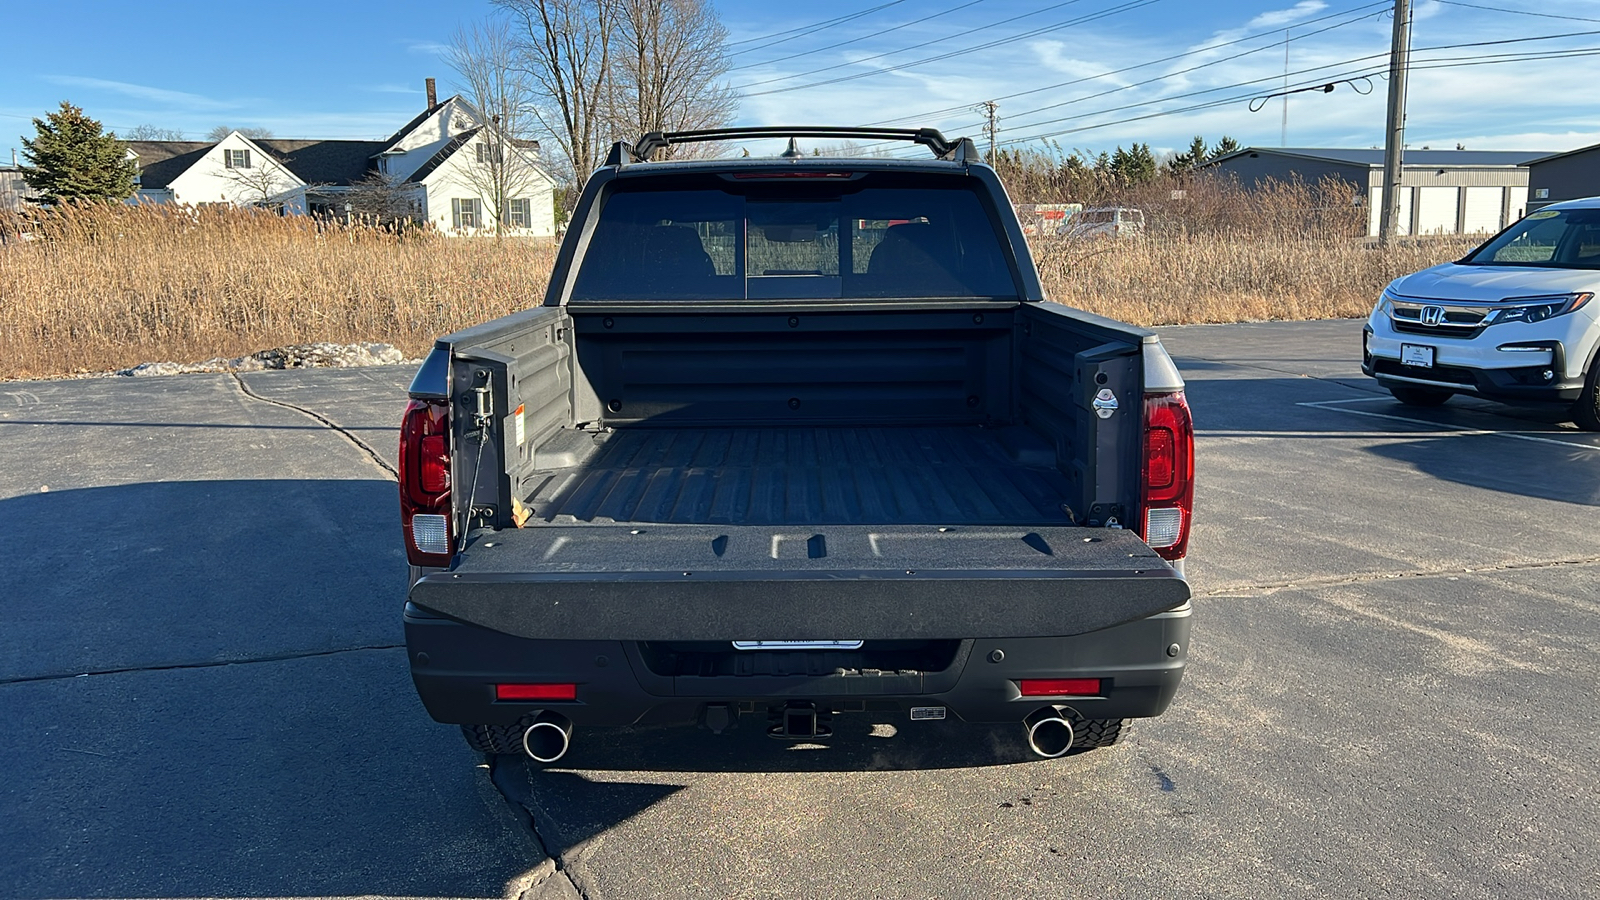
(792, 438)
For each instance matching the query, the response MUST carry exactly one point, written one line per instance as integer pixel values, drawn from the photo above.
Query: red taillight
(1059, 687)
(425, 483)
(1168, 493)
(536, 692)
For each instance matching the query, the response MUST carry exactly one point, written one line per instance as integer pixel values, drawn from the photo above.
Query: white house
(449, 162)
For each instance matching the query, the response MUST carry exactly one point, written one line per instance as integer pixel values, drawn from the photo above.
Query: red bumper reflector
(1059, 687)
(536, 692)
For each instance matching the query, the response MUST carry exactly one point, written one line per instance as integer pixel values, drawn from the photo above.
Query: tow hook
(799, 721)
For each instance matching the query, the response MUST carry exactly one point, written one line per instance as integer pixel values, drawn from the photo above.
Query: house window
(519, 213)
(488, 153)
(237, 159)
(464, 212)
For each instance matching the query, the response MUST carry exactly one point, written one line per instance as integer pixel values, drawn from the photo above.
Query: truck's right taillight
(425, 483)
(1167, 502)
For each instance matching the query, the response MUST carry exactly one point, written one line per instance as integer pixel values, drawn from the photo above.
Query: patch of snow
(321, 355)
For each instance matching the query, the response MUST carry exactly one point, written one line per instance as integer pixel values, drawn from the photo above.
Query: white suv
(1514, 320)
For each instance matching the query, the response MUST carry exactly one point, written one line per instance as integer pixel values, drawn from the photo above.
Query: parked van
(1109, 221)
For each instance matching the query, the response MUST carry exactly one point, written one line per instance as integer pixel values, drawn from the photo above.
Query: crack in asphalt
(1340, 581)
(209, 664)
(503, 771)
(372, 454)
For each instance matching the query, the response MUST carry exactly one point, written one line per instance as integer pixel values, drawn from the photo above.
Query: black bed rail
(958, 150)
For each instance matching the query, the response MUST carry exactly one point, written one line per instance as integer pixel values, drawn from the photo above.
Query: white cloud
(144, 92)
(1280, 17)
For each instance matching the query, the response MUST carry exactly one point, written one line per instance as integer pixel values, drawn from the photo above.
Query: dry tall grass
(104, 287)
(108, 287)
(1213, 252)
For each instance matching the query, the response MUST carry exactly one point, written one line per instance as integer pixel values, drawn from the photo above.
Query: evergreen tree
(71, 159)
(1190, 159)
(1136, 165)
(1224, 146)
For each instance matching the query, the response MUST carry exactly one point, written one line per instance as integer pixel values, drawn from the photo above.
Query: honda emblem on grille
(1432, 315)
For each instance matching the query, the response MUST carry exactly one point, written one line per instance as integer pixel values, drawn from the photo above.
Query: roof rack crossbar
(958, 150)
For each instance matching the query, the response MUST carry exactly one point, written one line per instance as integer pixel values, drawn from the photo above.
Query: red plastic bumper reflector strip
(536, 692)
(1059, 687)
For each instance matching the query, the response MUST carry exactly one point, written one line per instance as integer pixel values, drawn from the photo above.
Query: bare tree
(669, 71)
(262, 182)
(500, 163)
(154, 133)
(564, 49)
(383, 199)
(222, 131)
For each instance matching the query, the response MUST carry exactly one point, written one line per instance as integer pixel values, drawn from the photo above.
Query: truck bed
(957, 475)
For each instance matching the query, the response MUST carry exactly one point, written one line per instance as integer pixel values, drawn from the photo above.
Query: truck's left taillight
(1167, 503)
(425, 483)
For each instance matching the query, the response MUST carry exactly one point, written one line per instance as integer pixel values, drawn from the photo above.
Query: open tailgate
(712, 583)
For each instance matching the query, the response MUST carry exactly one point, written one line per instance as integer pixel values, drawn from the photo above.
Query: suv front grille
(1411, 317)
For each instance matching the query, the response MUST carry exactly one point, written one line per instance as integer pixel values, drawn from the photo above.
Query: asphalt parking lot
(1391, 691)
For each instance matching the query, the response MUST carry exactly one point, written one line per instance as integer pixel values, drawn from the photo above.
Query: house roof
(1374, 157)
(437, 160)
(338, 163)
(410, 126)
(162, 161)
(1548, 157)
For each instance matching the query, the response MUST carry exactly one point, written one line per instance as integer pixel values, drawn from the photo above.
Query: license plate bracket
(1418, 356)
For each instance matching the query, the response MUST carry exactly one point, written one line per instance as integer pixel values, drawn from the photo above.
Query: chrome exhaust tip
(1049, 732)
(548, 738)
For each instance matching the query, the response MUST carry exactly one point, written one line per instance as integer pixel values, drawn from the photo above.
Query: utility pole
(990, 112)
(1395, 132)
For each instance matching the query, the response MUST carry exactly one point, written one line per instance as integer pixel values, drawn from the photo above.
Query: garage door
(1482, 214)
(1375, 207)
(1436, 210)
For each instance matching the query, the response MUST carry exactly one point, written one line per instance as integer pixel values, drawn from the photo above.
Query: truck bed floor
(817, 476)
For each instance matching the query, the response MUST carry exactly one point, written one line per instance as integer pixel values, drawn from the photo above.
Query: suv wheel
(1586, 412)
(1419, 396)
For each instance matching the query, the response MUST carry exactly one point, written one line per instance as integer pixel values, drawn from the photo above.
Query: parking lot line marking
(1455, 429)
(1354, 400)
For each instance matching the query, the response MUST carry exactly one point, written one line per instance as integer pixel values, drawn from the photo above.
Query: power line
(991, 45)
(1213, 90)
(1249, 37)
(1519, 12)
(857, 40)
(928, 43)
(814, 27)
(1369, 72)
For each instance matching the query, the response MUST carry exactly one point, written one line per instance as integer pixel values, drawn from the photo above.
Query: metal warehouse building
(1563, 176)
(1442, 191)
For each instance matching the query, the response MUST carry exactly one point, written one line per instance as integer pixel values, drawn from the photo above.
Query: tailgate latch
(1105, 403)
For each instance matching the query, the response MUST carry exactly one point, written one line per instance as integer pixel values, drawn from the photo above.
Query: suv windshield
(1551, 238)
(769, 243)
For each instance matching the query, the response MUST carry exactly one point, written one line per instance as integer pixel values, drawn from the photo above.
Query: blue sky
(337, 70)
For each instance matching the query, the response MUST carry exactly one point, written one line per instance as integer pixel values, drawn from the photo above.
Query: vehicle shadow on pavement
(1532, 452)
(204, 695)
(860, 742)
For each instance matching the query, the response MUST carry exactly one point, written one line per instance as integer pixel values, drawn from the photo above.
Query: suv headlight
(1537, 309)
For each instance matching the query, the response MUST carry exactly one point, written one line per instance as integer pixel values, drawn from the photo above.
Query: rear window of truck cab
(768, 240)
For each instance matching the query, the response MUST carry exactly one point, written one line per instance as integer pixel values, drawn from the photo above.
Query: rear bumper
(455, 666)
